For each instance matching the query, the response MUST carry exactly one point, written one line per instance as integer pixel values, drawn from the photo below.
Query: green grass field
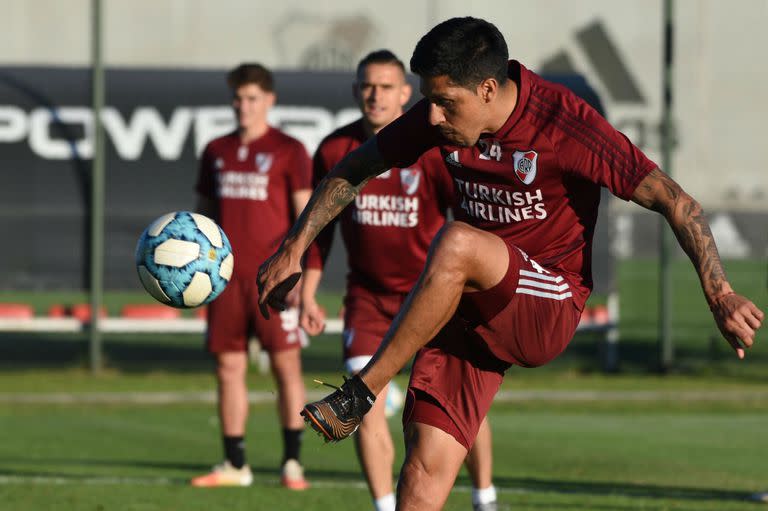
(547, 456)
(567, 436)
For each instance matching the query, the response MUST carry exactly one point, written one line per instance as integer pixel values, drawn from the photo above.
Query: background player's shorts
(527, 320)
(367, 316)
(234, 316)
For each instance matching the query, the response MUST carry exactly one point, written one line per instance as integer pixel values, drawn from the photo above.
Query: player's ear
(488, 89)
(271, 99)
(405, 93)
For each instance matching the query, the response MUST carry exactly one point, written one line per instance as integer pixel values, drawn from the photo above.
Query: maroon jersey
(388, 228)
(253, 186)
(536, 181)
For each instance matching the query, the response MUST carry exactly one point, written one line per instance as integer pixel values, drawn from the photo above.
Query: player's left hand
(312, 318)
(738, 319)
(277, 276)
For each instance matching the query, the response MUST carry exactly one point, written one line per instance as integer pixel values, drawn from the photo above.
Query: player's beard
(455, 138)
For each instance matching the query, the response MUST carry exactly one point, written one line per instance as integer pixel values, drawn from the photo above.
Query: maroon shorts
(527, 319)
(367, 316)
(234, 317)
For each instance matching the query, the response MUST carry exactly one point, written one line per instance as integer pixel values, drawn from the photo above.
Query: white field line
(506, 396)
(167, 481)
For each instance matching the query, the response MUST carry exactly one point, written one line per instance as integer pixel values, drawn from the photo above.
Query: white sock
(484, 496)
(385, 503)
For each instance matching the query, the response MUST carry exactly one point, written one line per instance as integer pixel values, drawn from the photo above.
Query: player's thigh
(529, 317)
(228, 320)
(480, 257)
(433, 447)
(432, 462)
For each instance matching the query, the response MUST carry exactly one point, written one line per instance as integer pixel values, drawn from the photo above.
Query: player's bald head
(466, 50)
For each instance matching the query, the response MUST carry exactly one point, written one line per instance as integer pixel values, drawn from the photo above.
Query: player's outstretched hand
(277, 276)
(738, 319)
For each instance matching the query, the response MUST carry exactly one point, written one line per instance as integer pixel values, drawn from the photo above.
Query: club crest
(525, 165)
(264, 162)
(410, 178)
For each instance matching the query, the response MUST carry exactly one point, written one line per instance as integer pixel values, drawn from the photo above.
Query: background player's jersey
(253, 186)
(388, 228)
(536, 181)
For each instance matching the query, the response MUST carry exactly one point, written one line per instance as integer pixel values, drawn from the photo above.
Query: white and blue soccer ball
(184, 259)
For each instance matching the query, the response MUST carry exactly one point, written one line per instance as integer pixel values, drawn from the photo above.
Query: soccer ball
(184, 259)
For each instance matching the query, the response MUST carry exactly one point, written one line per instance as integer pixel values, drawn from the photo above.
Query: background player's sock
(484, 496)
(291, 444)
(234, 450)
(385, 503)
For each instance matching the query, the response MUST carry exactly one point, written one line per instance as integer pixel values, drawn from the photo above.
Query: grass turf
(589, 457)
(605, 454)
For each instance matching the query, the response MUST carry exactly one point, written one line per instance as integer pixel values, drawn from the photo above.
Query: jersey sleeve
(318, 250)
(591, 148)
(206, 180)
(409, 136)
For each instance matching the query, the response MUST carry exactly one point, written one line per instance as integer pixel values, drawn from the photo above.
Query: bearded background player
(386, 233)
(254, 182)
(504, 285)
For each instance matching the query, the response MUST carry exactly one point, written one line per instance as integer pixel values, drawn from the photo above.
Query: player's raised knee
(456, 243)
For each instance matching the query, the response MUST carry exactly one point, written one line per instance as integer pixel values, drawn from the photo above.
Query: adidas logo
(453, 159)
(602, 55)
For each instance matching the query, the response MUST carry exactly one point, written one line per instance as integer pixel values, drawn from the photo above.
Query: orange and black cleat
(338, 415)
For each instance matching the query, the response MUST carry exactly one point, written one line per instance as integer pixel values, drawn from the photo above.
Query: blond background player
(254, 182)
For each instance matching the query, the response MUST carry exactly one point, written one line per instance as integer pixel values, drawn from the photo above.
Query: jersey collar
(517, 72)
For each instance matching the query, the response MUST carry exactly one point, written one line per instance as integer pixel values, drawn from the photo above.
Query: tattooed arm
(736, 317)
(335, 191)
(332, 195)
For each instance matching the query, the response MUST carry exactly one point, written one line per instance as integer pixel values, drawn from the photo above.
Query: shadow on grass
(193, 469)
(619, 489)
(505, 484)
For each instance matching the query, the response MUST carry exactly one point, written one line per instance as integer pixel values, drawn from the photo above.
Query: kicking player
(505, 283)
(254, 182)
(386, 233)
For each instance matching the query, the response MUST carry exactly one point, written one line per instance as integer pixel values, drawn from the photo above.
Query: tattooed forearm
(335, 192)
(330, 197)
(686, 218)
(695, 237)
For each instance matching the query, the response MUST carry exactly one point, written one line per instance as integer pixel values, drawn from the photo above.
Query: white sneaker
(293, 476)
(224, 474)
(760, 497)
